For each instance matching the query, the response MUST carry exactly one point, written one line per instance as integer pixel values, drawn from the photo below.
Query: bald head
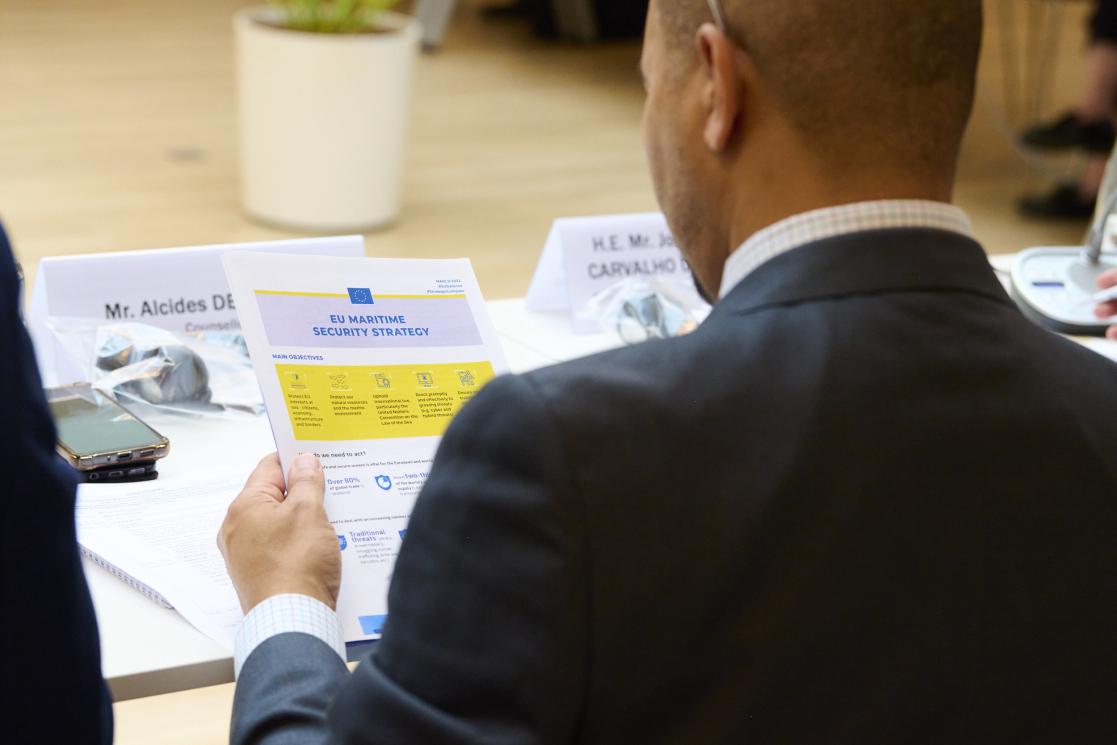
(887, 79)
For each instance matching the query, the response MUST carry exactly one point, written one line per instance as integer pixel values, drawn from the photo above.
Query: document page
(165, 537)
(364, 362)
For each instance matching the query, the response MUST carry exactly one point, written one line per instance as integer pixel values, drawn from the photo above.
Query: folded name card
(183, 290)
(585, 255)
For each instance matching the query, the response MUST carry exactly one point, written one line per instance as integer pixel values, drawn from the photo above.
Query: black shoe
(1064, 202)
(1071, 132)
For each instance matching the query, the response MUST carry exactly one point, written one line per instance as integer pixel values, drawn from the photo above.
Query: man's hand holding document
(362, 364)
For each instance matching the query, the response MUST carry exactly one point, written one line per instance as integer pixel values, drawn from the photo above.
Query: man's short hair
(895, 75)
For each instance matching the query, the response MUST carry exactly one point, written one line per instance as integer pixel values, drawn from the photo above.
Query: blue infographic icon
(384, 482)
(342, 543)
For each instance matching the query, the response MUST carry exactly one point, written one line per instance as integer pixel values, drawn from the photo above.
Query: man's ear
(722, 80)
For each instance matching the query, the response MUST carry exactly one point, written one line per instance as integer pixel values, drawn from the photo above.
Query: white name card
(182, 290)
(585, 255)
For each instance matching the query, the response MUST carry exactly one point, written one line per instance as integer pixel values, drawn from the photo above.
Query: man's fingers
(266, 479)
(266, 482)
(1108, 310)
(221, 542)
(305, 482)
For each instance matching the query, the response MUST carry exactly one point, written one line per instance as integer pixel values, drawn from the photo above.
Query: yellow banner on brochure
(373, 402)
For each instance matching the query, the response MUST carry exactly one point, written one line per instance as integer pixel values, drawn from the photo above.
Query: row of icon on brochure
(342, 381)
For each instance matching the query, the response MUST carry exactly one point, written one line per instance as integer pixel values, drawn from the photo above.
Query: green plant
(333, 16)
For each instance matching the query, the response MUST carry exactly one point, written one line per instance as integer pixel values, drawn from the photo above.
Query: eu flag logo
(360, 296)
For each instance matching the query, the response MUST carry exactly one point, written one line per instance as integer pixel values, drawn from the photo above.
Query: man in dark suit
(866, 502)
(51, 653)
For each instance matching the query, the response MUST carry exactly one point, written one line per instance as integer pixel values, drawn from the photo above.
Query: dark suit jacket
(866, 502)
(53, 691)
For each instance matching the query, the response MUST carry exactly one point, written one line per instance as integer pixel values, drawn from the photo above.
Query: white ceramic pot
(323, 121)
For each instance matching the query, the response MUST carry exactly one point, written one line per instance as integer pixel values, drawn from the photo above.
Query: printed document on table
(164, 537)
(364, 362)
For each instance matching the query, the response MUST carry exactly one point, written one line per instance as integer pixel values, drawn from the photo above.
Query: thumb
(1107, 280)
(305, 481)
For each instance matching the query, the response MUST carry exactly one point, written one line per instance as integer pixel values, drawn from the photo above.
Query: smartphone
(124, 473)
(94, 431)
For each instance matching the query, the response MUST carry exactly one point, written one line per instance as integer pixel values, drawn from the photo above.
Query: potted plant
(324, 91)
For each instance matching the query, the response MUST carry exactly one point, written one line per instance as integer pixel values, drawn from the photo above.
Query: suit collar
(871, 262)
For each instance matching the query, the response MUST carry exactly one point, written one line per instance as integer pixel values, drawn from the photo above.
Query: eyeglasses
(719, 16)
(717, 9)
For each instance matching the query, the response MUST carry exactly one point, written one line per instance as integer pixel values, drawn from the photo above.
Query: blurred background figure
(1088, 127)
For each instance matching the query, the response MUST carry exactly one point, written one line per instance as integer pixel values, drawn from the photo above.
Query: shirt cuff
(285, 614)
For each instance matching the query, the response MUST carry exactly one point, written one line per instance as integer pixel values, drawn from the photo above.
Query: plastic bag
(639, 310)
(207, 373)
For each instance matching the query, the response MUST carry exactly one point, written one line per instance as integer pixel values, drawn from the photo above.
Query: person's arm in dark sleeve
(51, 649)
(284, 690)
(486, 640)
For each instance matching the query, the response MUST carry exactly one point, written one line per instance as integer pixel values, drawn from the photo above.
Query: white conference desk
(147, 649)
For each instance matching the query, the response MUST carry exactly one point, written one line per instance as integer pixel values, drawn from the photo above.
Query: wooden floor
(117, 132)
